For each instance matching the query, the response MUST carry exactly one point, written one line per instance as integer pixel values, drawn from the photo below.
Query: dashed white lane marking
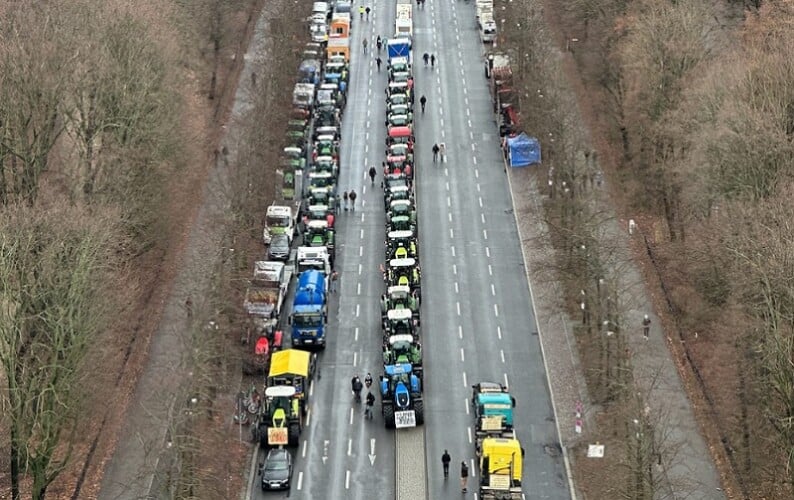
(484, 234)
(355, 335)
(443, 135)
(358, 288)
(457, 307)
(468, 429)
(477, 173)
(487, 249)
(351, 416)
(449, 201)
(496, 310)
(469, 123)
(347, 480)
(507, 384)
(479, 199)
(453, 250)
(359, 268)
(300, 480)
(482, 218)
(349, 447)
(360, 253)
(449, 216)
(465, 381)
(466, 405)
(368, 124)
(468, 112)
(366, 148)
(490, 270)
(447, 183)
(502, 355)
(464, 93)
(451, 234)
(311, 388)
(355, 358)
(466, 100)
(493, 290)
(440, 110)
(499, 332)
(457, 290)
(473, 147)
(441, 121)
(455, 269)
(446, 171)
(303, 451)
(478, 187)
(471, 135)
(363, 204)
(472, 470)
(361, 234)
(474, 159)
(460, 331)
(462, 356)
(358, 309)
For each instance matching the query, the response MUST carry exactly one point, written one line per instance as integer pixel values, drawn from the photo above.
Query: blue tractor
(401, 397)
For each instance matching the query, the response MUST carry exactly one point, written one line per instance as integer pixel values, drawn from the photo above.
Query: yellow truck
(500, 469)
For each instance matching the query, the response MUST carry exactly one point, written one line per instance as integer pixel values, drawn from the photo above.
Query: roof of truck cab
(495, 398)
(290, 361)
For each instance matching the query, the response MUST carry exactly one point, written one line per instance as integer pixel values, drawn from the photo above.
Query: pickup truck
(266, 290)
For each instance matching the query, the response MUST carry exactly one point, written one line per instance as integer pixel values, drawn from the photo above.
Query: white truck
(404, 23)
(316, 258)
(266, 291)
(281, 218)
(303, 95)
(483, 7)
(487, 27)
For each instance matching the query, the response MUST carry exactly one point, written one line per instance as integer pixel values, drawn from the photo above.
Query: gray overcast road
(477, 320)
(337, 429)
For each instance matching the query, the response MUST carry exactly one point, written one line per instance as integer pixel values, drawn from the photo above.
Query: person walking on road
(370, 403)
(442, 152)
(435, 152)
(378, 60)
(426, 57)
(445, 460)
(372, 174)
(364, 43)
(433, 60)
(334, 280)
(345, 197)
(464, 476)
(361, 12)
(367, 10)
(378, 44)
(352, 197)
(646, 326)
(368, 380)
(423, 101)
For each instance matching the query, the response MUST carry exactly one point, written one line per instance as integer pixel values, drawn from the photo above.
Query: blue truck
(309, 316)
(493, 412)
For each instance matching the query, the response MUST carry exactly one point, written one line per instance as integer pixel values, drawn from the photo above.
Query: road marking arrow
(372, 451)
(325, 450)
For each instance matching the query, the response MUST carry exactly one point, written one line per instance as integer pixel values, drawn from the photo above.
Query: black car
(276, 472)
(279, 247)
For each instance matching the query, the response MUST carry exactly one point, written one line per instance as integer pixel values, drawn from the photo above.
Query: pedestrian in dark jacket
(445, 460)
(352, 197)
(464, 476)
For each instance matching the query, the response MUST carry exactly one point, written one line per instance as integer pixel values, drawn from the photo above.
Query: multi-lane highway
(478, 321)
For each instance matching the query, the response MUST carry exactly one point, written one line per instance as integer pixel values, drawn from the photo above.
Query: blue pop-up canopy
(523, 150)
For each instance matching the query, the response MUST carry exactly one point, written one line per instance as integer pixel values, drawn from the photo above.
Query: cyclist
(426, 56)
(370, 403)
(423, 101)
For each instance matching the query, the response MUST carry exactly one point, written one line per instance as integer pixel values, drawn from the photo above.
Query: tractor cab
(330, 131)
(400, 223)
(325, 147)
(401, 208)
(321, 213)
(399, 322)
(394, 180)
(318, 234)
(400, 245)
(403, 349)
(281, 421)
(401, 395)
(321, 196)
(326, 116)
(403, 272)
(326, 164)
(295, 154)
(399, 298)
(323, 180)
(294, 368)
(397, 193)
(401, 150)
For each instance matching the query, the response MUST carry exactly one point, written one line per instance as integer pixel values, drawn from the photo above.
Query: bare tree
(56, 271)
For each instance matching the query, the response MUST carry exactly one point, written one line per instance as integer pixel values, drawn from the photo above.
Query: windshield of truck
(277, 221)
(307, 320)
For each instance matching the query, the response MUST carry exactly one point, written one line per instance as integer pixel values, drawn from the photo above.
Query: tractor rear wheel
(294, 434)
(388, 416)
(419, 411)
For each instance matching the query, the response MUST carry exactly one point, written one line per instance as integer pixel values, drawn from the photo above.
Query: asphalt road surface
(477, 317)
(340, 454)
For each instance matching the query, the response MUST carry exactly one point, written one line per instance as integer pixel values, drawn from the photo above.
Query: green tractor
(322, 180)
(401, 245)
(318, 234)
(404, 272)
(321, 196)
(399, 298)
(398, 209)
(280, 422)
(400, 349)
(323, 164)
(396, 193)
(399, 322)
